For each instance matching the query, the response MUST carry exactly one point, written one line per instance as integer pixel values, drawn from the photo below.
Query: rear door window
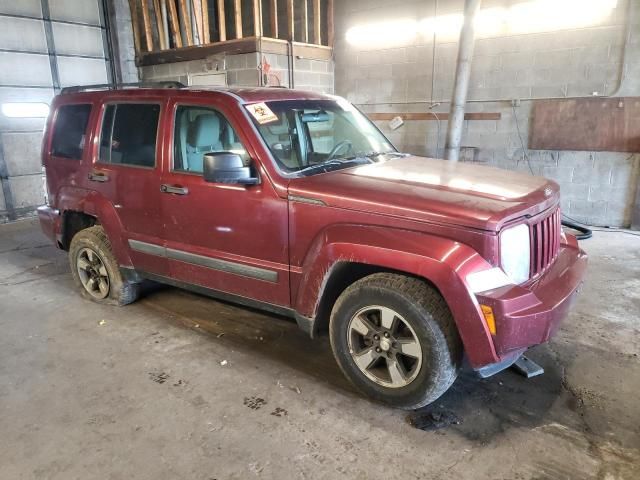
(129, 134)
(69, 131)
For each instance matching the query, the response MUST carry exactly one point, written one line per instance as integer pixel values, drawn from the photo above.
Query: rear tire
(394, 338)
(95, 269)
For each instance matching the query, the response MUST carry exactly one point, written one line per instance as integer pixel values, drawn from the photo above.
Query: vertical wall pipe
(461, 83)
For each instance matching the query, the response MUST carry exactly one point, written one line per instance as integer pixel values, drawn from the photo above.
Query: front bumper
(530, 314)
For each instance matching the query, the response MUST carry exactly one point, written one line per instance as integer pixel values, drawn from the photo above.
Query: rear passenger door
(127, 172)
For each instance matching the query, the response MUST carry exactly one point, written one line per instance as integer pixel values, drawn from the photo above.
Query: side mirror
(225, 167)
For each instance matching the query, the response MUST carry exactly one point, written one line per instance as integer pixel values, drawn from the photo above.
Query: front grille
(545, 242)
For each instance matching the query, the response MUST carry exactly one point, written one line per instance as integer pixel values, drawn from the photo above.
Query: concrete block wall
(312, 75)
(241, 70)
(392, 73)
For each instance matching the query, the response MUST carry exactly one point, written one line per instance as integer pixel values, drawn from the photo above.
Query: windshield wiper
(369, 155)
(333, 162)
(359, 157)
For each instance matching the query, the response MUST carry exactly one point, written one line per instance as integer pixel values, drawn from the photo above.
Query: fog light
(487, 311)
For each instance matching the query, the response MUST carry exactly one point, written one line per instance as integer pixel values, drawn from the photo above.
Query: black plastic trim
(224, 296)
(310, 201)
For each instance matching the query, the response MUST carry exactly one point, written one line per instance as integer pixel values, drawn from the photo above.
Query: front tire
(95, 269)
(394, 338)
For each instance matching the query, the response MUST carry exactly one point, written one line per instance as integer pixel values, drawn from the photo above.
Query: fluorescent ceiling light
(25, 110)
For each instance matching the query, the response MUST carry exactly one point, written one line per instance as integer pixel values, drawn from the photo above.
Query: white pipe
(461, 83)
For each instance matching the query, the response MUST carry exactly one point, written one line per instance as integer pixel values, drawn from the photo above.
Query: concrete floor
(141, 392)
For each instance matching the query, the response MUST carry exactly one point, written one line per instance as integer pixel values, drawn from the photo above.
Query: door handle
(98, 177)
(173, 189)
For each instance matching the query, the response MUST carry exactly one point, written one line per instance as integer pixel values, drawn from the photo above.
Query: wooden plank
(274, 18)
(146, 20)
(159, 23)
(317, 38)
(408, 116)
(196, 7)
(175, 25)
(197, 52)
(206, 39)
(305, 21)
(135, 23)
(232, 47)
(237, 11)
(186, 22)
(257, 18)
(222, 21)
(330, 24)
(587, 124)
(291, 21)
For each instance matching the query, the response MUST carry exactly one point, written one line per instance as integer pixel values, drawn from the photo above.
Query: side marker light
(487, 311)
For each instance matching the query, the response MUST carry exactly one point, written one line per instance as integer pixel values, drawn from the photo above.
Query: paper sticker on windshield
(262, 113)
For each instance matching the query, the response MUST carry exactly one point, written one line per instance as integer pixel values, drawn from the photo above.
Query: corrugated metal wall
(44, 45)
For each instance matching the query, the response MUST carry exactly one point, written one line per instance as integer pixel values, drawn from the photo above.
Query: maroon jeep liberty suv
(296, 203)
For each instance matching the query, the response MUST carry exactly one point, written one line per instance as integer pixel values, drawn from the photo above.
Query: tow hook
(527, 367)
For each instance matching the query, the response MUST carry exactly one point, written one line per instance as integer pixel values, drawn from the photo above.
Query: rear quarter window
(69, 131)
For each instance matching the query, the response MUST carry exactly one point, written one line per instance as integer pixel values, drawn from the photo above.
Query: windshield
(315, 136)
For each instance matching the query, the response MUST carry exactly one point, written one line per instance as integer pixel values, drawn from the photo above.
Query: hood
(430, 190)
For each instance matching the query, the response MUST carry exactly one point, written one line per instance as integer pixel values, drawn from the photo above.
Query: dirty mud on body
(182, 386)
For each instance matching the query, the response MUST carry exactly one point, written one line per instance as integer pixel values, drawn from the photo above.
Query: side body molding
(200, 260)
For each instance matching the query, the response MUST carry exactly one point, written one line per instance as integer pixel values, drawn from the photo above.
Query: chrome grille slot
(545, 242)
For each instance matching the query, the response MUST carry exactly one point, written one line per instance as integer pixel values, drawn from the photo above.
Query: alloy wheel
(93, 273)
(384, 347)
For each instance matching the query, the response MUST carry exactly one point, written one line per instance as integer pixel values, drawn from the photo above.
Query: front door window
(202, 130)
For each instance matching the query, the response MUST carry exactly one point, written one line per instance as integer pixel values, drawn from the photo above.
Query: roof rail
(116, 86)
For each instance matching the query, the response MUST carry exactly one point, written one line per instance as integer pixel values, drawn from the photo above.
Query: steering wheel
(334, 151)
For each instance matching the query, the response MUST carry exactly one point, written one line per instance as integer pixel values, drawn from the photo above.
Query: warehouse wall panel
(77, 40)
(22, 34)
(27, 70)
(22, 152)
(81, 71)
(26, 189)
(31, 8)
(85, 11)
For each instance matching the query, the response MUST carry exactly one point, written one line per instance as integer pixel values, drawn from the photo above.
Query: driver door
(229, 238)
